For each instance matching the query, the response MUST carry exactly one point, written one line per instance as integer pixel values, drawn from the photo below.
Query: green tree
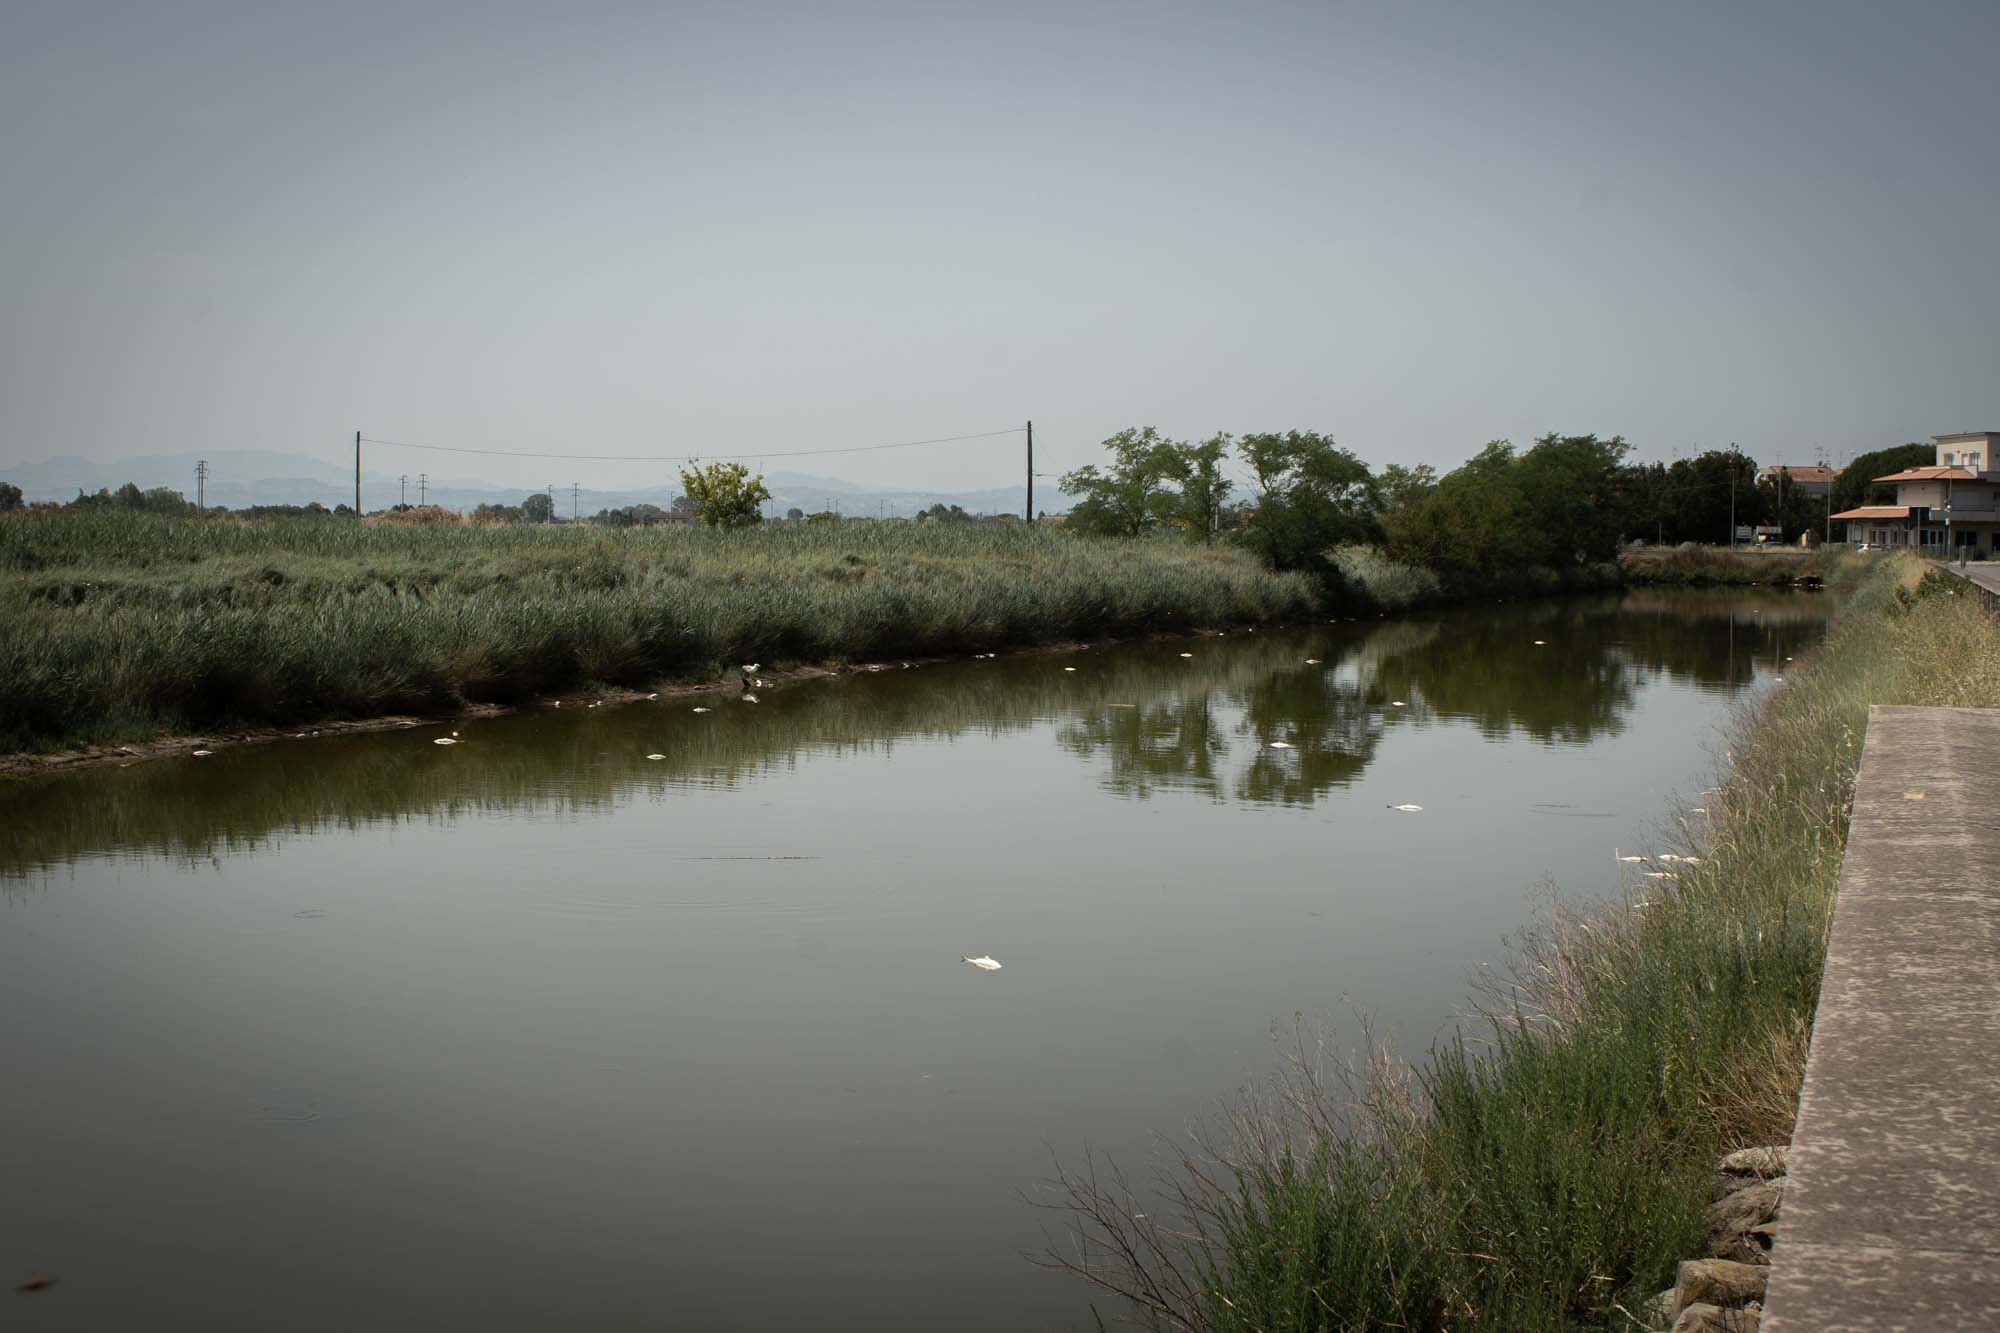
(725, 495)
(629, 516)
(1311, 497)
(941, 513)
(1702, 492)
(10, 496)
(1569, 485)
(1398, 487)
(1781, 504)
(164, 500)
(1204, 490)
(538, 508)
(1856, 484)
(1131, 494)
(1472, 524)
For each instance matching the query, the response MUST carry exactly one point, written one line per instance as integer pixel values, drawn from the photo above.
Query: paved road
(1891, 1214)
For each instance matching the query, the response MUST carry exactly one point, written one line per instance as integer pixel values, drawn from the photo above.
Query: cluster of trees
(1310, 494)
(642, 515)
(10, 496)
(1563, 501)
(313, 510)
(158, 500)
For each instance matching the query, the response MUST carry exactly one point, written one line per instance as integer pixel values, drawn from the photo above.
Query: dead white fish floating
(1312, 661)
(1668, 856)
(1187, 654)
(1397, 703)
(1690, 860)
(983, 963)
(1281, 745)
(1541, 643)
(1407, 808)
(203, 754)
(1632, 860)
(749, 698)
(652, 696)
(701, 710)
(750, 668)
(1069, 668)
(1658, 874)
(443, 740)
(656, 756)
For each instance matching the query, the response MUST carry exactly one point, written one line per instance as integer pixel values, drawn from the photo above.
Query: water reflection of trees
(1154, 720)
(1483, 667)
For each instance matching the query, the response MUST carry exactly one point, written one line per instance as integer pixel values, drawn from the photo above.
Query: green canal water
(537, 1031)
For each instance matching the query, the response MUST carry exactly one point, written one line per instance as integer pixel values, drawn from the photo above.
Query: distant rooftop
(1933, 474)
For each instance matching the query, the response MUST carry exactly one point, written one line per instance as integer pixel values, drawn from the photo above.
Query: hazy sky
(651, 228)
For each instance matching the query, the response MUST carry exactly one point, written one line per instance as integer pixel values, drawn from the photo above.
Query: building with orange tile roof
(1948, 508)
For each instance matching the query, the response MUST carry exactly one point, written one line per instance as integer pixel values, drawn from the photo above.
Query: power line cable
(688, 458)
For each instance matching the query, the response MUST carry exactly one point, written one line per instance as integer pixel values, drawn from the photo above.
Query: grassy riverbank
(1718, 566)
(1547, 1169)
(116, 626)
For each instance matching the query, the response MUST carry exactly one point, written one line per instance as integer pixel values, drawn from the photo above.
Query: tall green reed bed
(1546, 1168)
(115, 626)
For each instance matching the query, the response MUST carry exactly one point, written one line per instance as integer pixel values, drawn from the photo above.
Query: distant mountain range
(241, 478)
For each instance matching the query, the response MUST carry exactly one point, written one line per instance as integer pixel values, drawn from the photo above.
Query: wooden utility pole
(357, 474)
(1030, 514)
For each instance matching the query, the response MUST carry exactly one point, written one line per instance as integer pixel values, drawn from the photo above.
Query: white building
(1950, 505)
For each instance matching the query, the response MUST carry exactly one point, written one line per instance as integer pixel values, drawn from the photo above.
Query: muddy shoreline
(28, 765)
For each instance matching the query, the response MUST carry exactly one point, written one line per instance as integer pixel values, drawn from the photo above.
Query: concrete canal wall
(1891, 1206)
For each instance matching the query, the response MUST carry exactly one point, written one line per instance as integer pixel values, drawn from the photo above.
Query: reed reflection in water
(534, 1031)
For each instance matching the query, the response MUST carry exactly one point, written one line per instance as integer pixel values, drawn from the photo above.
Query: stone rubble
(1724, 1293)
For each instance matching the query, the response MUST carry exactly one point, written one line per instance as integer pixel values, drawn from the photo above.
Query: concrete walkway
(1985, 574)
(1891, 1212)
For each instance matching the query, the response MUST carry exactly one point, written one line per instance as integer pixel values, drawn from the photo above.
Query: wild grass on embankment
(1705, 566)
(1548, 1168)
(118, 626)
